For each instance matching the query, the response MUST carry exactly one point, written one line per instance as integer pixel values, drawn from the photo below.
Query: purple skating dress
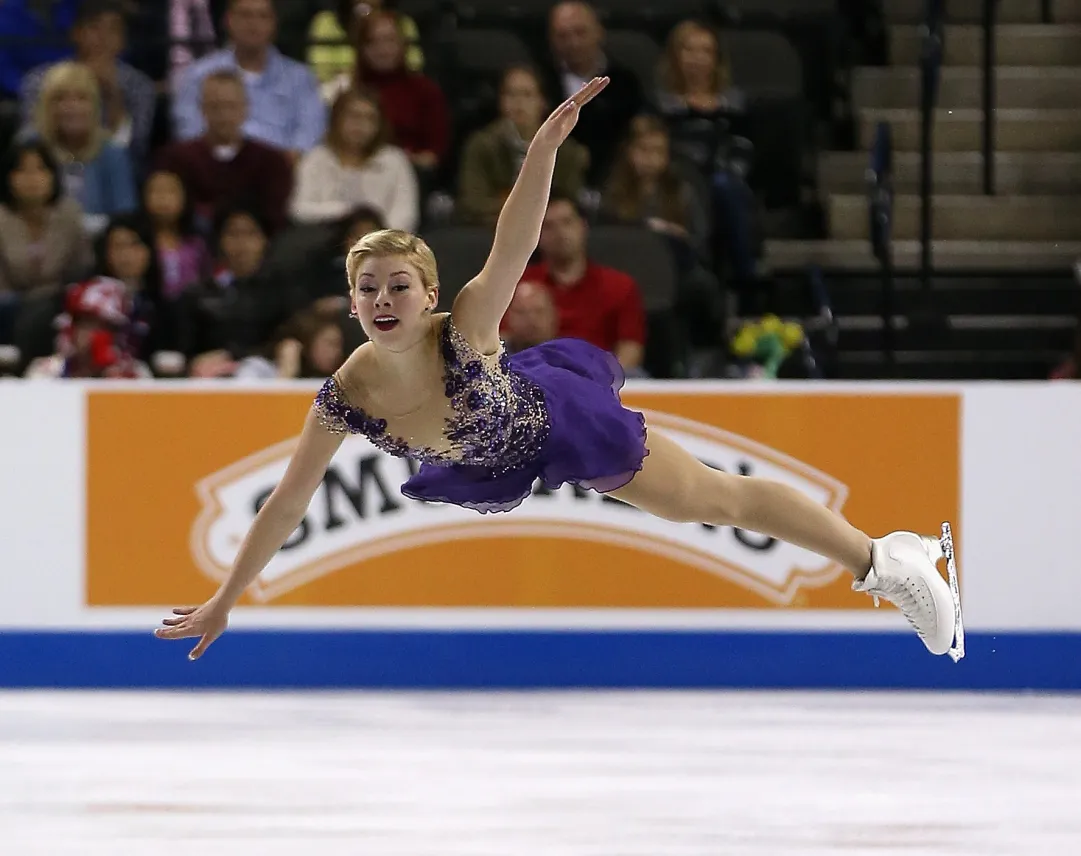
(550, 412)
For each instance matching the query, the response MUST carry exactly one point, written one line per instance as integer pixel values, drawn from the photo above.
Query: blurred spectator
(645, 188)
(329, 60)
(127, 96)
(326, 286)
(167, 36)
(356, 166)
(224, 168)
(96, 172)
(32, 32)
(576, 39)
(42, 242)
(182, 253)
(310, 345)
(697, 98)
(531, 319)
(98, 335)
(233, 313)
(286, 111)
(125, 252)
(596, 303)
(413, 104)
(493, 155)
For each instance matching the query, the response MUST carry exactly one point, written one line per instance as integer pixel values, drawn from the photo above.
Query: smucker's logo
(358, 513)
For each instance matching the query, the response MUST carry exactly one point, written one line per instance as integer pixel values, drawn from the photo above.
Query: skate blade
(946, 546)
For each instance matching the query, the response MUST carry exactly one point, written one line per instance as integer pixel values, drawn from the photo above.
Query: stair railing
(880, 207)
(990, 10)
(931, 72)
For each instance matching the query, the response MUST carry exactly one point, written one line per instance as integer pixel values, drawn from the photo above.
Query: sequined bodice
(489, 415)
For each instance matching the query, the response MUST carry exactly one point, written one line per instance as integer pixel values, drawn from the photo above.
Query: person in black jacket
(576, 40)
(234, 312)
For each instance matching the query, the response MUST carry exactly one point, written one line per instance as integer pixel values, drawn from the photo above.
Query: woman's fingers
(184, 610)
(181, 631)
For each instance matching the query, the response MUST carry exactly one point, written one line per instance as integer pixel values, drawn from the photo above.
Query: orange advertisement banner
(174, 479)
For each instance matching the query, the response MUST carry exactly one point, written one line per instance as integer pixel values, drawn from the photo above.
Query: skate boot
(904, 572)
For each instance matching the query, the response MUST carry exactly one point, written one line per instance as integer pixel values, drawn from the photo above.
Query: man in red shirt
(596, 303)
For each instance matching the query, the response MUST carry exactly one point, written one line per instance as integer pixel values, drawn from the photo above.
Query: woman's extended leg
(899, 567)
(675, 485)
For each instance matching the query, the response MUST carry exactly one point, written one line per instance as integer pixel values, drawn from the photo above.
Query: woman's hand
(558, 126)
(207, 622)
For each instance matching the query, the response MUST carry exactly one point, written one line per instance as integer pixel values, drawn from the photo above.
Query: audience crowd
(186, 211)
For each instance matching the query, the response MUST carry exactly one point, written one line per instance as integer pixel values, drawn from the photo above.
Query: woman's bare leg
(675, 485)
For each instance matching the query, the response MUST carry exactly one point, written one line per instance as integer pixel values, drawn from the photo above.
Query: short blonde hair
(393, 242)
(71, 77)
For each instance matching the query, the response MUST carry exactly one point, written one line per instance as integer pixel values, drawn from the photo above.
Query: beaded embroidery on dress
(489, 416)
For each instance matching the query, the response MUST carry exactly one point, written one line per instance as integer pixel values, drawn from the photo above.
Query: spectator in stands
(309, 345)
(413, 104)
(327, 286)
(125, 252)
(127, 96)
(233, 313)
(96, 171)
(98, 335)
(224, 167)
(531, 318)
(576, 40)
(356, 165)
(286, 111)
(329, 60)
(493, 156)
(42, 243)
(181, 251)
(645, 188)
(169, 35)
(696, 96)
(595, 303)
(32, 33)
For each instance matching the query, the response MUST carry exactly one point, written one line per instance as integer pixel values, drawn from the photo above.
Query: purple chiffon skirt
(593, 440)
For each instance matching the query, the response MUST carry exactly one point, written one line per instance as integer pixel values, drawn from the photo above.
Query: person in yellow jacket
(332, 36)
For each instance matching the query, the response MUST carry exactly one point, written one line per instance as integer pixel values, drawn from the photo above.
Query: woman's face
(31, 182)
(697, 56)
(392, 302)
(73, 113)
(126, 256)
(383, 49)
(359, 124)
(649, 155)
(326, 351)
(243, 245)
(521, 101)
(164, 197)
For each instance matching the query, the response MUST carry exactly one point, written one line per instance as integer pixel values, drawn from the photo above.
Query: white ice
(558, 774)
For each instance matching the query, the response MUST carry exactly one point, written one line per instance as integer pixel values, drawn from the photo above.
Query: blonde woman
(696, 95)
(356, 166)
(439, 388)
(96, 172)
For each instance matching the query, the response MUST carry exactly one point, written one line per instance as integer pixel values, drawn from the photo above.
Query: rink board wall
(120, 501)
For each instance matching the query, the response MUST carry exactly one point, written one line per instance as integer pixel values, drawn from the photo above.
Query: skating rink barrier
(122, 500)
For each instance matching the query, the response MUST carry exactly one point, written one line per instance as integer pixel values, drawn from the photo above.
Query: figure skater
(439, 388)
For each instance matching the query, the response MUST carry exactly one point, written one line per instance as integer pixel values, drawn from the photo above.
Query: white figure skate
(904, 572)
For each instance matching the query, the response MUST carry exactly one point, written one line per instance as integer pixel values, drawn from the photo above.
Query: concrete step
(1016, 130)
(1015, 44)
(971, 11)
(1017, 173)
(965, 218)
(856, 255)
(1028, 87)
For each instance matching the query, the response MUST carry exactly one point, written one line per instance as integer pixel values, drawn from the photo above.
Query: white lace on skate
(921, 598)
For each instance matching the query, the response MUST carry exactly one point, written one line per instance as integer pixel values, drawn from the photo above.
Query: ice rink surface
(526, 774)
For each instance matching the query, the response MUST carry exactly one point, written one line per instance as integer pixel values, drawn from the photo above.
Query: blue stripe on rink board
(533, 660)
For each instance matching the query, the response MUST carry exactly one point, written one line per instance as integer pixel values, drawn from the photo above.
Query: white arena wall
(119, 501)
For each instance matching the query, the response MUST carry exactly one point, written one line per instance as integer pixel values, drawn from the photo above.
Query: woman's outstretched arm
(479, 307)
(275, 522)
